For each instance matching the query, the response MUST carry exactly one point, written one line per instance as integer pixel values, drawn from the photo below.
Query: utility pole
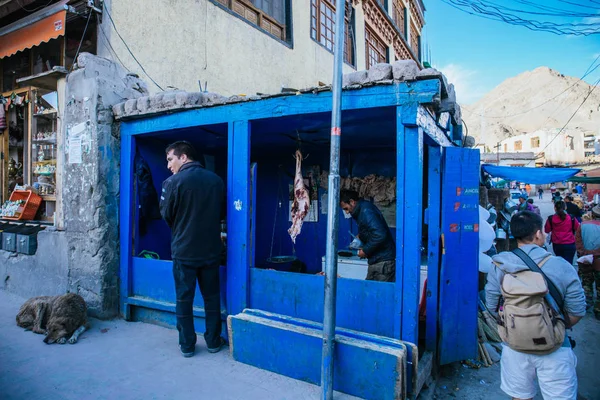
(333, 214)
(497, 146)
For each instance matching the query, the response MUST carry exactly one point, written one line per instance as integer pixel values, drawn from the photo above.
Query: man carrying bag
(536, 297)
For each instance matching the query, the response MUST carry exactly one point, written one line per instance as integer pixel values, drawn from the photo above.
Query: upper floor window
(505, 148)
(322, 27)
(376, 49)
(400, 16)
(535, 142)
(272, 16)
(518, 145)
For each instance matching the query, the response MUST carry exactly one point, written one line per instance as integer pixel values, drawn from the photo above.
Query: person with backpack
(562, 228)
(535, 297)
(587, 239)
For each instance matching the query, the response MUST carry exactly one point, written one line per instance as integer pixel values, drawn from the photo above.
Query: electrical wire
(127, 47)
(594, 86)
(81, 41)
(112, 49)
(520, 16)
(35, 9)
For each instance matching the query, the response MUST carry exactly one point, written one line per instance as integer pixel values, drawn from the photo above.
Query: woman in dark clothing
(563, 227)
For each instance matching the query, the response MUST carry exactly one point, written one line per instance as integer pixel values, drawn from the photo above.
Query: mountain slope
(534, 100)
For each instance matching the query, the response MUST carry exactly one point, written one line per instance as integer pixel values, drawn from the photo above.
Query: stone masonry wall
(84, 258)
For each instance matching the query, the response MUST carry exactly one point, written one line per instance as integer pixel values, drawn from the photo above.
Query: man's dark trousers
(185, 287)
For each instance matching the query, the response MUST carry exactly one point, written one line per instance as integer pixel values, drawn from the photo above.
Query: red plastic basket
(32, 203)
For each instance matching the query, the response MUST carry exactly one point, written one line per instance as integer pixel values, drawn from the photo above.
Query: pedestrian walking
(534, 207)
(587, 239)
(191, 204)
(572, 208)
(529, 278)
(540, 193)
(528, 189)
(562, 228)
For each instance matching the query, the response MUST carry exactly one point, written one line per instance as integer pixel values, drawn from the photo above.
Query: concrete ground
(127, 360)
(460, 382)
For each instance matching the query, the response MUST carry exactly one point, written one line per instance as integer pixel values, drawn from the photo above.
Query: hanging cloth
(536, 176)
(2, 118)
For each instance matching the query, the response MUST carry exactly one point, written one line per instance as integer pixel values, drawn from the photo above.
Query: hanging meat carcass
(301, 203)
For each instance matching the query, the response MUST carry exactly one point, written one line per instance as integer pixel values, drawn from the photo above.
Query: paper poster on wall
(75, 151)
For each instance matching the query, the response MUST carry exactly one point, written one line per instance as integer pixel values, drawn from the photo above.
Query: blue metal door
(459, 274)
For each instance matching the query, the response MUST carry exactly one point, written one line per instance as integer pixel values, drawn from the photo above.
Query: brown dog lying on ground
(61, 318)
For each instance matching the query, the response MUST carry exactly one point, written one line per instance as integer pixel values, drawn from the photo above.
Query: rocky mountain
(531, 101)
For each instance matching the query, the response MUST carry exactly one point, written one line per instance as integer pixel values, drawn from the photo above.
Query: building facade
(59, 139)
(551, 147)
(235, 47)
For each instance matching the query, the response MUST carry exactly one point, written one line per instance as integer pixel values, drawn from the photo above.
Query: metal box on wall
(27, 243)
(9, 239)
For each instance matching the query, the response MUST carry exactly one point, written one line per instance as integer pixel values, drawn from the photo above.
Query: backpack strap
(554, 293)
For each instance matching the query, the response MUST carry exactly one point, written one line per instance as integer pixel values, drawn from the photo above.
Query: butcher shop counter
(354, 267)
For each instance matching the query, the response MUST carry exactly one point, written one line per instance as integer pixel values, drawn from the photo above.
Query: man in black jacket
(190, 203)
(378, 244)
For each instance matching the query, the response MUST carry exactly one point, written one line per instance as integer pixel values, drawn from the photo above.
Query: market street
(127, 360)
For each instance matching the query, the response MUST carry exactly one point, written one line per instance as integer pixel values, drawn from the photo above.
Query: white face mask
(347, 215)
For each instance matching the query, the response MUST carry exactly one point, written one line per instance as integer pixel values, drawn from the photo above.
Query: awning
(36, 28)
(585, 179)
(537, 176)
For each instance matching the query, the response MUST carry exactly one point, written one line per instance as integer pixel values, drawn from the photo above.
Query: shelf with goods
(44, 153)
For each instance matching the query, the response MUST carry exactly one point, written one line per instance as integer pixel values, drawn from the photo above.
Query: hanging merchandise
(301, 204)
(2, 116)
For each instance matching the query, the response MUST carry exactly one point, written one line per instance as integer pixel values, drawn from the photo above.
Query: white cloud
(466, 82)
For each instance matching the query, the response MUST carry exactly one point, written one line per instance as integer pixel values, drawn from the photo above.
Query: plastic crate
(32, 203)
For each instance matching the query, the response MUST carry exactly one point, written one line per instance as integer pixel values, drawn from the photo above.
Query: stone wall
(84, 257)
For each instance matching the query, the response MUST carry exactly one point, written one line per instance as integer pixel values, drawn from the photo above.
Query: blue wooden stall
(275, 316)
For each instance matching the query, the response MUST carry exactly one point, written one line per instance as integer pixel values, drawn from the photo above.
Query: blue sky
(477, 54)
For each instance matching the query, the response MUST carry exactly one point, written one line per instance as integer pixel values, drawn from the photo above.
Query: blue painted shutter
(459, 274)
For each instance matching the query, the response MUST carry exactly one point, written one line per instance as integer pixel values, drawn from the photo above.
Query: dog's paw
(62, 340)
(72, 340)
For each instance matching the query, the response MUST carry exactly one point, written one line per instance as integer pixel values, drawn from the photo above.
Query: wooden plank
(238, 217)
(400, 172)
(433, 254)
(362, 369)
(425, 368)
(430, 127)
(362, 305)
(376, 96)
(152, 279)
(412, 351)
(413, 219)
(125, 218)
(459, 277)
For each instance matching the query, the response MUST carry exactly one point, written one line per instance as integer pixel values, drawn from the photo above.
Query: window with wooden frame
(322, 27)
(400, 16)
(272, 16)
(376, 49)
(518, 145)
(535, 142)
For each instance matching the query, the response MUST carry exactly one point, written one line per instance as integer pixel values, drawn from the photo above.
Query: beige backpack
(527, 322)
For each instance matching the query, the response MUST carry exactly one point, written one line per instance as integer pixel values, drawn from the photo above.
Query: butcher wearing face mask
(378, 244)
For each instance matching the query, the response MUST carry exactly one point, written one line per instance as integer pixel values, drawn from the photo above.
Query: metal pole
(333, 202)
